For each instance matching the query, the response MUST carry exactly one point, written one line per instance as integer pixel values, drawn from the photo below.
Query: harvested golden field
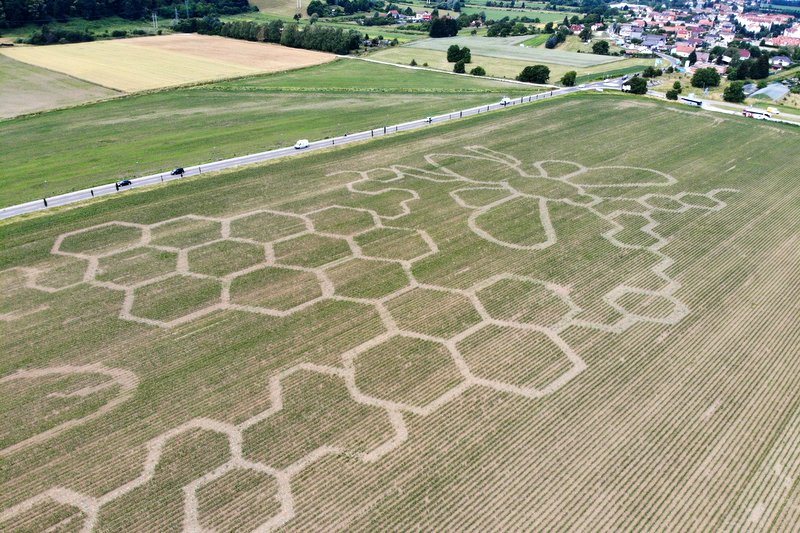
(146, 63)
(479, 326)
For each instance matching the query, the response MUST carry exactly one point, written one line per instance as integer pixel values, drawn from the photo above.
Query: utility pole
(186, 5)
(176, 15)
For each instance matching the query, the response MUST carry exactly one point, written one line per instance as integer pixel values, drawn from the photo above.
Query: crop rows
(395, 353)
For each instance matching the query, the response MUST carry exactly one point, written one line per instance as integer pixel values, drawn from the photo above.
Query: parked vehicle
(302, 143)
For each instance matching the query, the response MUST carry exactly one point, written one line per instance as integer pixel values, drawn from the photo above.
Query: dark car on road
(123, 183)
(178, 171)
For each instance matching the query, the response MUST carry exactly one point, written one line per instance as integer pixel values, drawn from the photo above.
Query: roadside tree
(534, 74)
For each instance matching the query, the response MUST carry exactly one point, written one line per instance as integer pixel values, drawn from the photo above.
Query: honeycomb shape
(100, 240)
(406, 371)
(363, 278)
(311, 250)
(239, 500)
(61, 272)
(275, 288)
(318, 412)
(342, 221)
(265, 226)
(175, 298)
(136, 265)
(525, 301)
(433, 312)
(224, 257)
(392, 243)
(523, 358)
(186, 232)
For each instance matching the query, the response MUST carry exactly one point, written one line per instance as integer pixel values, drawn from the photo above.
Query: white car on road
(302, 143)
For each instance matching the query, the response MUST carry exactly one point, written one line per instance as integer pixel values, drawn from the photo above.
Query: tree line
(15, 13)
(314, 37)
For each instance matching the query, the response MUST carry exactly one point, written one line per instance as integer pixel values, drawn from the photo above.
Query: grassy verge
(74, 148)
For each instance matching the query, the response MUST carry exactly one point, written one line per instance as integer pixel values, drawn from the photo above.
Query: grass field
(508, 48)
(503, 67)
(27, 89)
(146, 63)
(100, 28)
(605, 341)
(497, 14)
(143, 134)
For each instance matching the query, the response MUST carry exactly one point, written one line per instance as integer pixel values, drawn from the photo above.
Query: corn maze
(503, 332)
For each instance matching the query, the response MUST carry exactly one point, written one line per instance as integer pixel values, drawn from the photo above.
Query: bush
(734, 92)
(600, 48)
(672, 94)
(453, 53)
(534, 74)
(568, 79)
(119, 33)
(705, 77)
(478, 71)
(638, 85)
(413, 63)
(443, 27)
(456, 54)
(458, 68)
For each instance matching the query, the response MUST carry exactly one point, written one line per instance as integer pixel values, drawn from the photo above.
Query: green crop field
(497, 14)
(553, 317)
(72, 149)
(504, 67)
(508, 48)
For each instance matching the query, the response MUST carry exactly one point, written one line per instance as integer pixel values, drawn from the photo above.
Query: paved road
(153, 179)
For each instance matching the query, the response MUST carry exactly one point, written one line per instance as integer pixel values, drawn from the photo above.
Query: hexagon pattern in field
(186, 232)
(239, 500)
(136, 265)
(406, 371)
(453, 312)
(317, 411)
(502, 333)
(224, 257)
(364, 278)
(393, 243)
(524, 300)
(266, 226)
(175, 297)
(342, 221)
(275, 288)
(311, 251)
(100, 240)
(520, 357)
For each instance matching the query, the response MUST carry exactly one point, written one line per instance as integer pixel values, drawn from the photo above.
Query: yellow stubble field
(147, 63)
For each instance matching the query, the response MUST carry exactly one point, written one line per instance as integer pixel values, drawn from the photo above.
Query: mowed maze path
(146, 63)
(288, 398)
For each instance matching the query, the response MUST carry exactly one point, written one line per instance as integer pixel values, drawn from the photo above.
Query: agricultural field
(147, 63)
(28, 89)
(498, 13)
(507, 68)
(508, 48)
(81, 147)
(481, 325)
